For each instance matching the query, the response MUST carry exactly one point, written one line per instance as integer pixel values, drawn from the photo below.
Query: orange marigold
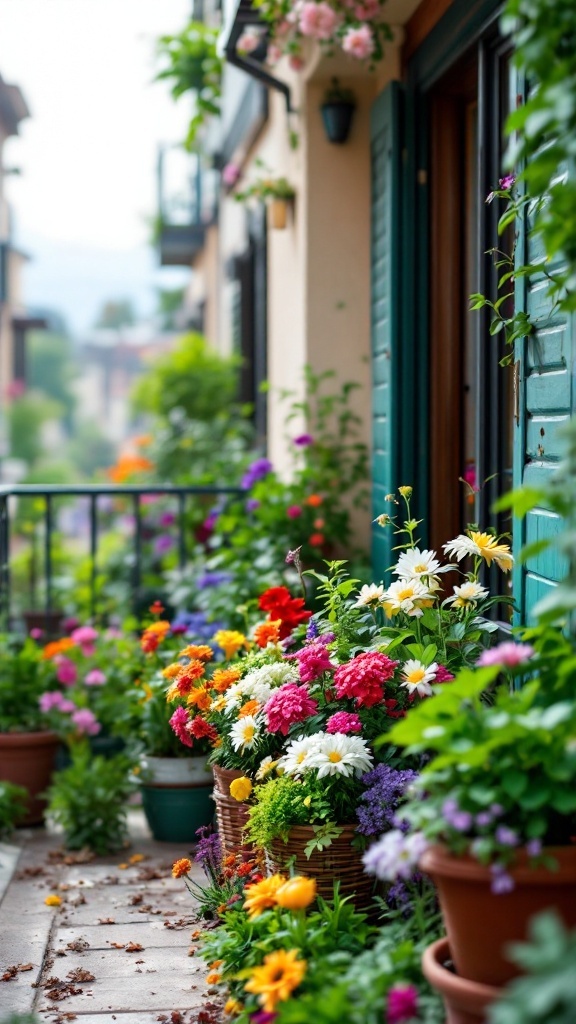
(262, 895)
(172, 671)
(181, 867)
(156, 608)
(197, 652)
(127, 466)
(185, 682)
(199, 698)
(57, 647)
(249, 708)
(224, 677)
(314, 500)
(267, 632)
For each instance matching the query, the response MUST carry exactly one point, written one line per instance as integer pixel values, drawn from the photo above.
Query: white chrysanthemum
(467, 595)
(416, 676)
(245, 733)
(407, 596)
(266, 766)
(413, 564)
(483, 545)
(341, 755)
(461, 546)
(370, 593)
(299, 753)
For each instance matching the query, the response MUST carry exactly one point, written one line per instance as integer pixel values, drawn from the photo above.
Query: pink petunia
(318, 21)
(85, 636)
(66, 671)
(343, 722)
(507, 653)
(358, 42)
(86, 722)
(289, 704)
(95, 678)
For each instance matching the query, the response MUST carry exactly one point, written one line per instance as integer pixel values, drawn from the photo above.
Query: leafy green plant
(282, 803)
(192, 65)
(88, 801)
(12, 806)
(23, 680)
(267, 188)
(547, 994)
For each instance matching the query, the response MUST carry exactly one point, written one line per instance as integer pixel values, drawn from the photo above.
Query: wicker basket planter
(339, 862)
(230, 814)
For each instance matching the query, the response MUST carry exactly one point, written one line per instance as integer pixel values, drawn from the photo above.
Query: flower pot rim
(438, 860)
(37, 738)
(449, 984)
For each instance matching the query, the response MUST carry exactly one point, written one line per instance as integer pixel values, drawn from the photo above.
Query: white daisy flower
(407, 596)
(299, 753)
(481, 544)
(416, 676)
(461, 547)
(413, 564)
(341, 755)
(244, 734)
(370, 593)
(467, 595)
(266, 766)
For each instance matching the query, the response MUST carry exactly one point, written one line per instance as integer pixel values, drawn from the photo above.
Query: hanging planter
(337, 112)
(277, 193)
(278, 214)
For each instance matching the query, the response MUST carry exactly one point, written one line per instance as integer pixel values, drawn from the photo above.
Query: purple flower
(213, 579)
(496, 810)
(256, 471)
(402, 1004)
(454, 816)
(506, 836)
(252, 504)
(263, 1017)
(507, 181)
(386, 787)
(167, 519)
(501, 882)
(195, 625)
(209, 853)
(303, 440)
(312, 631)
(395, 855)
(483, 819)
(534, 847)
(163, 543)
(86, 722)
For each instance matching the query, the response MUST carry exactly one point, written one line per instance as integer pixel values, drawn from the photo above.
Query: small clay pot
(28, 759)
(466, 1002)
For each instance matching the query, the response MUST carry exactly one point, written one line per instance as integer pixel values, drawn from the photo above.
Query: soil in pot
(466, 1002)
(175, 814)
(28, 759)
(480, 924)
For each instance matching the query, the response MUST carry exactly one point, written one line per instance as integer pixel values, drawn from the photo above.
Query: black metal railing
(49, 495)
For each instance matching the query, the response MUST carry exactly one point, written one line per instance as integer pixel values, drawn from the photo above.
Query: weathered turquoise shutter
(385, 310)
(544, 401)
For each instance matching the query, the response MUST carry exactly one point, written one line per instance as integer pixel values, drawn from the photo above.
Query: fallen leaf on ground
(25, 967)
(117, 945)
(78, 945)
(79, 974)
(134, 947)
(106, 920)
(9, 973)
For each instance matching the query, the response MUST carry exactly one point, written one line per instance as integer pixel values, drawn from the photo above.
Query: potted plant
(277, 193)
(337, 112)
(28, 741)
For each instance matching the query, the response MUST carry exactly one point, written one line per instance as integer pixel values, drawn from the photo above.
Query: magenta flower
(313, 660)
(66, 671)
(303, 440)
(95, 678)
(443, 675)
(507, 653)
(507, 181)
(343, 722)
(54, 700)
(86, 722)
(85, 636)
(363, 678)
(293, 511)
(178, 723)
(230, 174)
(289, 704)
(402, 1004)
(36, 633)
(167, 519)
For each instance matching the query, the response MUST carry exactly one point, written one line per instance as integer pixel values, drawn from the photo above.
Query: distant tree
(116, 313)
(26, 416)
(51, 369)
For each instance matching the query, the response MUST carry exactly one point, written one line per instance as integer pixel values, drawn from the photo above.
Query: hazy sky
(88, 151)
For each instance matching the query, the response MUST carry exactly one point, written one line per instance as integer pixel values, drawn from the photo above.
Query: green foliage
(192, 378)
(22, 682)
(26, 417)
(88, 800)
(547, 995)
(284, 802)
(170, 301)
(89, 449)
(12, 806)
(266, 188)
(116, 313)
(50, 368)
(192, 65)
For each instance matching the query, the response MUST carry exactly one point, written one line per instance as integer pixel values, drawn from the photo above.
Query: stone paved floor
(78, 961)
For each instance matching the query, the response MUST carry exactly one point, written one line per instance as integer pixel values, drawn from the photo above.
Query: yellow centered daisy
(416, 676)
(248, 733)
(334, 756)
(406, 593)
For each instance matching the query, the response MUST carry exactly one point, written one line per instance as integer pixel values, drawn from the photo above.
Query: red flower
(316, 540)
(289, 704)
(198, 727)
(289, 610)
(363, 678)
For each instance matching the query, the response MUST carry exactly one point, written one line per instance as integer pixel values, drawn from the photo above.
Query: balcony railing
(47, 510)
(187, 201)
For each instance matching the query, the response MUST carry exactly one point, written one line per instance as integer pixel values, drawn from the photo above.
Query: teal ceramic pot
(174, 815)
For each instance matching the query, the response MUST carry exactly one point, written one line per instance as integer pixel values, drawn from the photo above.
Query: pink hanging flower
(343, 722)
(86, 722)
(295, 62)
(95, 678)
(230, 174)
(66, 671)
(363, 678)
(178, 723)
(313, 660)
(402, 1004)
(507, 653)
(85, 636)
(249, 41)
(317, 21)
(289, 704)
(366, 10)
(358, 42)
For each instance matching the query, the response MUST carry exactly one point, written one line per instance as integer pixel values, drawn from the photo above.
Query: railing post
(93, 552)
(137, 572)
(181, 527)
(48, 550)
(4, 562)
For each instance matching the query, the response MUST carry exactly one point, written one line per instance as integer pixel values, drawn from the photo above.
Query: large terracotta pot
(480, 923)
(466, 1002)
(339, 862)
(27, 759)
(231, 815)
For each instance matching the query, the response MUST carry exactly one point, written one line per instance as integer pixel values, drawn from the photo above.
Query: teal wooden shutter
(544, 401)
(385, 310)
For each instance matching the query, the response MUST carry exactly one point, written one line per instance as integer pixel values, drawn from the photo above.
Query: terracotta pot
(27, 759)
(49, 622)
(231, 815)
(466, 1001)
(480, 923)
(339, 862)
(278, 213)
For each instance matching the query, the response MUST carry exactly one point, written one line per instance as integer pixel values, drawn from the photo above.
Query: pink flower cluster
(317, 21)
(358, 42)
(507, 653)
(443, 675)
(343, 722)
(85, 637)
(66, 671)
(364, 677)
(313, 660)
(291, 703)
(86, 722)
(178, 723)
(53, 700)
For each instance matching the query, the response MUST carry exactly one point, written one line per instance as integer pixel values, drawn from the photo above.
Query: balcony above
(187, 193)
(178, 244)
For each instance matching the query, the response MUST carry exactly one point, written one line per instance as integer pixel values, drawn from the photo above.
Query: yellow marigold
(240, 789)
(199, 698)
(218, 704)
(406, 492)
(233, 1007)
(262, 895)
(249, 708)
(172, 693)
(181, 867)
(214, 966)
(230, 640)
(57, 647)
(223, 678)
(267, 632)
(297, 893)
(213, 978)
(492, 551)
(172, 671)
(53, 900)
(276, 979)
(197, 652)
